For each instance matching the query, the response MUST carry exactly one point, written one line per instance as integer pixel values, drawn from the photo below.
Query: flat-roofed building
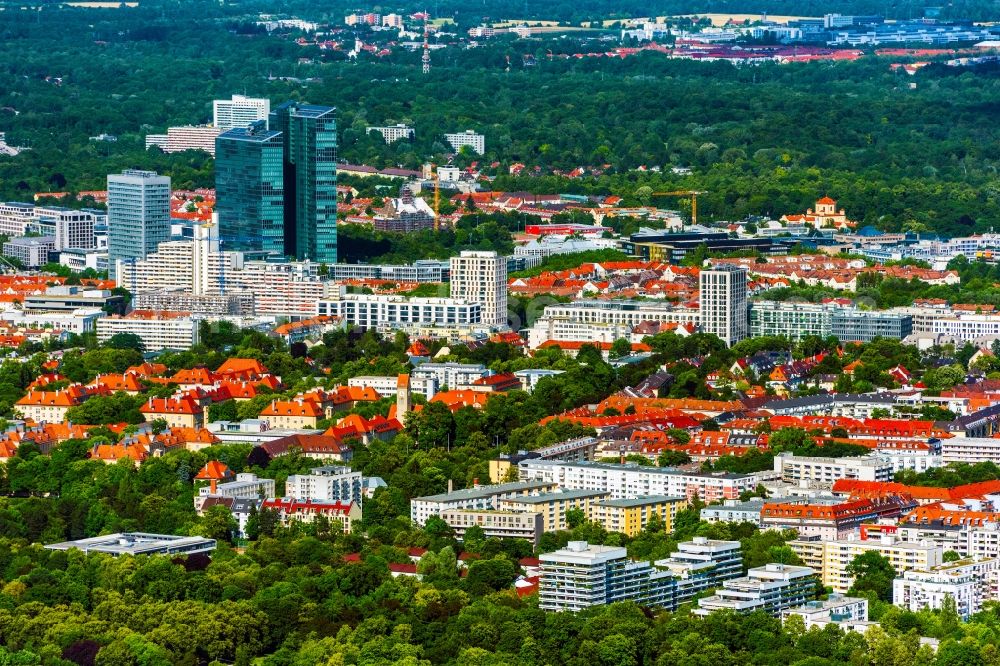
(138, 543)
(631, 516)
(554, 505)
(835, 608)
(771, 588)
(832, 557)
(477, 497)
(500, 524)
(969, 583)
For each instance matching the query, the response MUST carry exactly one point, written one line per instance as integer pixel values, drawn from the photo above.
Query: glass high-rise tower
(249, 188)
(309, 136)
(291, 166)
(138, 215)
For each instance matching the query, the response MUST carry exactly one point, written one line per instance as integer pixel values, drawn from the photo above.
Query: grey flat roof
(483, 492)
(641, 501)
(557, 495)
(136, 543)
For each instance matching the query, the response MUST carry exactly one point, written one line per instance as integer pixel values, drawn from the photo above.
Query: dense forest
(897, 151)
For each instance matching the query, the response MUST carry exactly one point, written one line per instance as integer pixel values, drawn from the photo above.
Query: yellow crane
(433, 175)
(684, 193)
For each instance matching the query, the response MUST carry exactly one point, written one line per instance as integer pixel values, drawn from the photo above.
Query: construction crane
(684, 193)
(437, 197)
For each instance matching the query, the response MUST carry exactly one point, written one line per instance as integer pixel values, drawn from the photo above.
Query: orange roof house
(297, 413)
(245, 367)
(178, 412)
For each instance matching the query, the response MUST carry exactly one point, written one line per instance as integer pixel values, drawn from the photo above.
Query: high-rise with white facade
(477, 142)
(482, 276)
(191, 137)
(239, 111)
(138, 215)
(723, 302)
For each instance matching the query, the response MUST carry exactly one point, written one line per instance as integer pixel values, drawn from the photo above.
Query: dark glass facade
(249, 187)
(310, 176)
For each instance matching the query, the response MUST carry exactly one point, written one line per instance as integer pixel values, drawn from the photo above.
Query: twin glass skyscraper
(276, 185)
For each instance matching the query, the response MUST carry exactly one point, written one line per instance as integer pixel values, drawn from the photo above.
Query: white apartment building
(963, 326)
(239, 111)
(831, 558)
(394, 311)
(330, 483)
(451, 375)
(627, 481)
(820, 613)
(499, 524)
(970, 450)
(475, 498)
(481, 277)
(157, 331)
(621, 312)
(425, 385)
(734, 511)
(191, 137)
(969, 583)
(246, 486)
(559, 329)
(80, 321)
(723, 302)
(15, 218)
(393, 132)
(467, 138)
(771, 588)
(827, 470)
(200, 267)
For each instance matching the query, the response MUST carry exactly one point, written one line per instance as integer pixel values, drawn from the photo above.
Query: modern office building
(790, 319)
(31, 251)
(138, 543)
(771, 588)
(482, 277)
(723, 302)
(71, 228)
(249, 187)
(330, 483)
(15, 217)
(309, 138)
(239, 111)
(969, 583)
(851, 325)
(477, 142)
(138, 215)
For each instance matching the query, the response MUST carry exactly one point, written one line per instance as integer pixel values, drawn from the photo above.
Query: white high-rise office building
(138, 215)
(239, 111)
(482, 276)
(723, 303)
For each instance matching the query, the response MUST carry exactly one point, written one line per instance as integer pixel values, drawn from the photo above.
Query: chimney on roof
(451, 486)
